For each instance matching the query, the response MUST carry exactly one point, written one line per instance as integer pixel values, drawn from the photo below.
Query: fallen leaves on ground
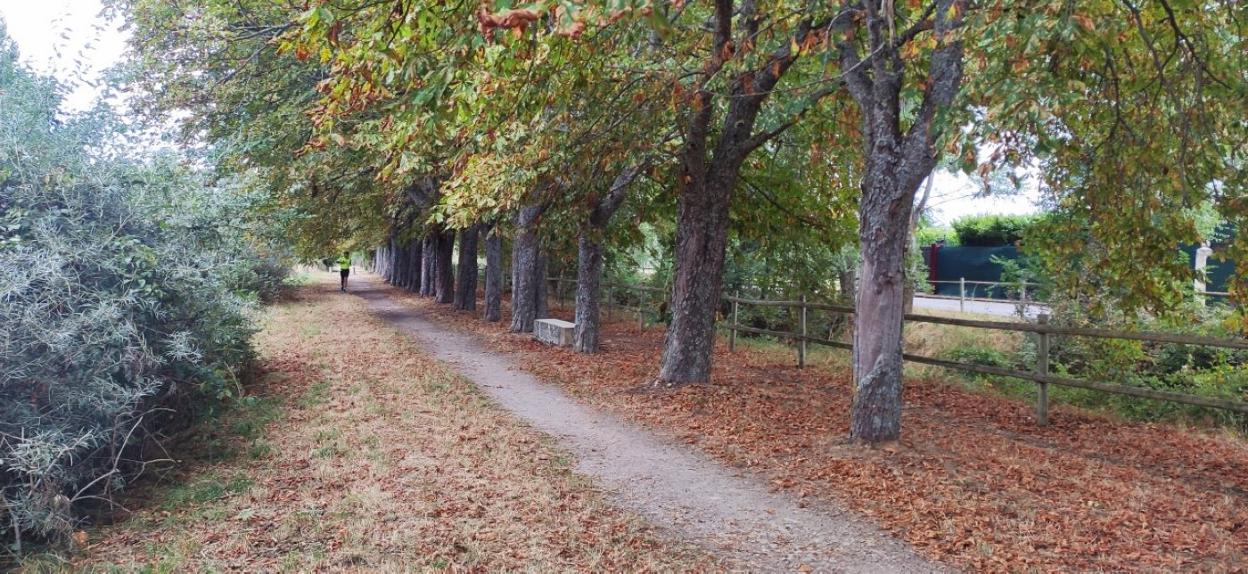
(974, 482)
(381, 459)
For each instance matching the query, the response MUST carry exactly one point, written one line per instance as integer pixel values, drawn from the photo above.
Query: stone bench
(553, 332)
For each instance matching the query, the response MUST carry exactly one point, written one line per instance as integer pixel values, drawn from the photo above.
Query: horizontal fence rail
(1041, 329)
(1040, 376)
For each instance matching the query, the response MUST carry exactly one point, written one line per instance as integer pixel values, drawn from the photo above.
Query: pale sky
(953, 196)
(69, 39)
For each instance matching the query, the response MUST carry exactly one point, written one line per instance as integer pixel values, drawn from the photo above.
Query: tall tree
(898, 159)
(589, 260)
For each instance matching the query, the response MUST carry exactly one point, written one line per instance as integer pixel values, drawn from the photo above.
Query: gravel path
(685, 492)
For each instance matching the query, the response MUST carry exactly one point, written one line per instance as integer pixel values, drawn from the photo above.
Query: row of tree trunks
(383, 260)
(399, 263)
(466, 283)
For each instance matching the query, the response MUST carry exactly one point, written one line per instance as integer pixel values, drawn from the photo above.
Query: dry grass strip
(375, 458)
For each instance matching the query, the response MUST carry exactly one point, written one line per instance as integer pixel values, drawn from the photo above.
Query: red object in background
(932, 250)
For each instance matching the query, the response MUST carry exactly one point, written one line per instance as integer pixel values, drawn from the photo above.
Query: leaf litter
(973, 482)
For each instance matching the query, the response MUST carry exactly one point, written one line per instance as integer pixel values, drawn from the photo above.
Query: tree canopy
(776, 127)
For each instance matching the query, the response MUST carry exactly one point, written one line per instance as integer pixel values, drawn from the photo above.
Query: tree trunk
(701, 238)
(493, 275)
(392, 252)
(589, 282)
(428, 261)
(913, 244)
(415, 259)
(878, 318)
(383, 260)
(466, 286)
(846, 284)
(589, 259)
(525, 269)
(897, 160)
(444, 272)
(400, 264)
(396, 273)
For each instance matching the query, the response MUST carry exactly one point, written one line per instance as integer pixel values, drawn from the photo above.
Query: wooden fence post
(1042, 368)
(801, 348)
(732, 339)
(962, 294)
(641, 309)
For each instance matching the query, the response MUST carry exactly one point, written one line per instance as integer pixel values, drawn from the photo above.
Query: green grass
(205, 489)
(298, 279)
(316, 394)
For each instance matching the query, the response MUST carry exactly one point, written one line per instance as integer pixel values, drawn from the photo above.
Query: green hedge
(992, 230)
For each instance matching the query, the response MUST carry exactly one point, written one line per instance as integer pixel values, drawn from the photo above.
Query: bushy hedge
(127, 290)
(925, 236)
(991, 230)
(109, 317)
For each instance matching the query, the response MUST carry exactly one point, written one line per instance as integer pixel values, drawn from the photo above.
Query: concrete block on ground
(553, 332)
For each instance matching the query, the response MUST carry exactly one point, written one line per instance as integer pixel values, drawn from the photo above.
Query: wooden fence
(1041, 329)
(1040, 375)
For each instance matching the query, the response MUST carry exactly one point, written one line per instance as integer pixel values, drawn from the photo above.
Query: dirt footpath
(735, 515)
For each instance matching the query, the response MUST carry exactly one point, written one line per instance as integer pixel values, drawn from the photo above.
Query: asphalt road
(1001, 308)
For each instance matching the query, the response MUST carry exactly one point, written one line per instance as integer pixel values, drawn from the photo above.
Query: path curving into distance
(681, 491)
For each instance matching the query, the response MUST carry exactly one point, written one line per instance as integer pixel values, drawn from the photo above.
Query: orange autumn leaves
(571, 24)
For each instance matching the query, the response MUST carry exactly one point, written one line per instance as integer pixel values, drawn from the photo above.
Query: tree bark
(414, 261)
(701, 238)
(385, 262)
(400, 265)
(879, 308)
(444, 272)
(589, 282)
(493, 275)
(525, 269)
(396, 275)
(428, 260)
(589, 261)
(392, 252)
(466, 284)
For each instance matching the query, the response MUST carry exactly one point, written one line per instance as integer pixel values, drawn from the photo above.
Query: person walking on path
(344, 268)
